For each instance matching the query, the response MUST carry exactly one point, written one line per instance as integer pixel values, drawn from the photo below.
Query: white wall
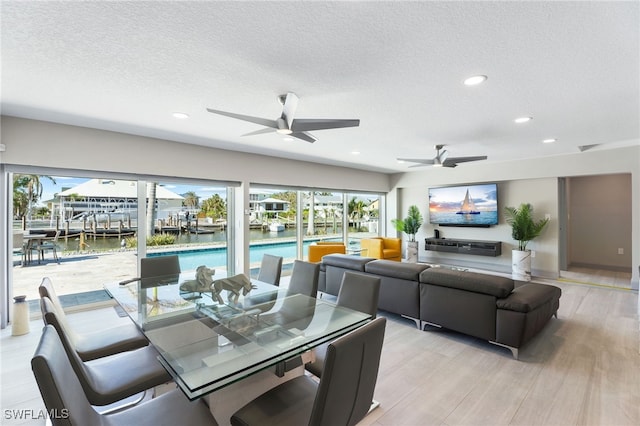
(534, 181)
(541, 193)
(44, 144)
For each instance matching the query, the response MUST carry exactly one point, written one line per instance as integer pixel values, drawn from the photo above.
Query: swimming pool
(217, 257)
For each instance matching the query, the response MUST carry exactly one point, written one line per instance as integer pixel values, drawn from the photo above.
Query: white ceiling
(397, 66)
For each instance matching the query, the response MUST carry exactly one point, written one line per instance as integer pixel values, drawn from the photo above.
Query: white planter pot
(521, 265)
(412, 251)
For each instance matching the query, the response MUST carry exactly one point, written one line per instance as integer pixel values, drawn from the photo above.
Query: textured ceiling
(397, 66)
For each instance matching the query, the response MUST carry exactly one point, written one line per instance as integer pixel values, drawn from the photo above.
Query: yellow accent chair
(321, 248)
(382, 248)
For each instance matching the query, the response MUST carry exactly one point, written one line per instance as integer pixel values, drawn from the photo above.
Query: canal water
(99, 243)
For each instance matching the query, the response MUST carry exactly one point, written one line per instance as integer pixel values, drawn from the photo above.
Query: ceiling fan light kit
(286, 124)
(475, 80)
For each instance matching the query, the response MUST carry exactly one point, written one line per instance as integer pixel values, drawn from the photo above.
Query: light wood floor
(599, 277)
(582, 369)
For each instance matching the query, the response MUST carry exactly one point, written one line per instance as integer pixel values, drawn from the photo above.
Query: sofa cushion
(528, 297)
(346, 261)
(389, 268)
(470, 281)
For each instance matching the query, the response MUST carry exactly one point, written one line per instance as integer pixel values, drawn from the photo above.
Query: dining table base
(224, 402)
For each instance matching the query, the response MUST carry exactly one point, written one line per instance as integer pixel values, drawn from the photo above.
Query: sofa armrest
(529, 297)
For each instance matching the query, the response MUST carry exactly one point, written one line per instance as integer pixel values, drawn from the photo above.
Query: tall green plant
(523, 227)
(411, 224)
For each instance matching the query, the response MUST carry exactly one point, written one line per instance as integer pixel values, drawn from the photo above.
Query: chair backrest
(18, 239)
(345, 391)
(304, 278)
(51, 318)
(359, 292)
(270, 269)
(46, 290)
(158, 266)
(60, 388)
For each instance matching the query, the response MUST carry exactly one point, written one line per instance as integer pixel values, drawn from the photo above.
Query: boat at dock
(276, 227)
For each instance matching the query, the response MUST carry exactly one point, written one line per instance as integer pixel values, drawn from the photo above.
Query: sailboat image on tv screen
(467, 206)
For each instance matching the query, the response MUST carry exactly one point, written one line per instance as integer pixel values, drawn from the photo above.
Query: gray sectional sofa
(486, 306)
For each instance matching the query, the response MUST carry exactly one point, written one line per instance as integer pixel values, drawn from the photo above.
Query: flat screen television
(465, 205)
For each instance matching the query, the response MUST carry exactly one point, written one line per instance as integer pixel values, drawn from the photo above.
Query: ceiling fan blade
(289, 108)
(423, 161)
(304, 136)
(306, 124)
(259, 132)
(457, 160)
(257, 120)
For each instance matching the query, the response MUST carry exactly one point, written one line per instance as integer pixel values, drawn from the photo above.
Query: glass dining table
(207, 343)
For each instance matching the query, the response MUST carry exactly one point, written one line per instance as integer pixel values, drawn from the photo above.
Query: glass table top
(207, 345)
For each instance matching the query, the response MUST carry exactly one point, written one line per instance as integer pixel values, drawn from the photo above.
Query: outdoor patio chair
(46, 245)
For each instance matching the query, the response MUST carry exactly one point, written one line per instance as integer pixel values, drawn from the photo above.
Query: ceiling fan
(441, 159)
(286, 124)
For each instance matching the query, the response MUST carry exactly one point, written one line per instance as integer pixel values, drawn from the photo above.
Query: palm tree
(191, 199)
(151, 208)
(356, 211)
(311, 219)
(31, 187)
(214, 207)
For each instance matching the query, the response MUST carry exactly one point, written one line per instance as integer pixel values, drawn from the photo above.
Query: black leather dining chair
(98, 343)
(270, 269)
(113, 378)
(304, 278)
(342, 397)
(67, 404)
(158, 266)
(358, 292)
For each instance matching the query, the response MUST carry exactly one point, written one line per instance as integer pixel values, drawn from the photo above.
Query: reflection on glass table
(207, 345)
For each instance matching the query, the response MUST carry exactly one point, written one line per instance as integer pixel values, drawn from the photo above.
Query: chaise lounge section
(481, 305)
(486, 306)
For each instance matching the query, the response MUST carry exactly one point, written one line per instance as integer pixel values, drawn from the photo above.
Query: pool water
(217, 257)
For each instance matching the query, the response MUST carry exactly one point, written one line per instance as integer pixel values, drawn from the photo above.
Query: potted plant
(410, 225)
(524, 228)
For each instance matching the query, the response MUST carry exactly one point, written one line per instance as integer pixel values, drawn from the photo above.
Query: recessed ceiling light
(475, 80)
(180, 115)
(550, 140)
(521, 120)
(355, 152)
(400, 161)
(288, 139)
